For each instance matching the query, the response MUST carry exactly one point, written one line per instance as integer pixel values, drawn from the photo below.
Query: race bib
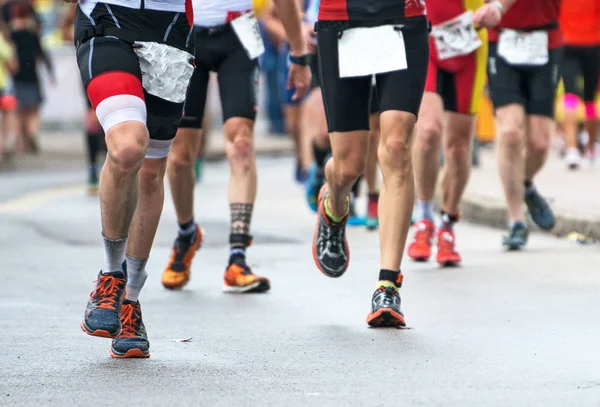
(368, 51)
(523, 48)
(166, 70)
(456, 37)
(247, 30)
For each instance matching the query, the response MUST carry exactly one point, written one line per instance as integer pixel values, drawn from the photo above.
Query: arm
(490, 14)
(289, 13)
(46, 60)
(273, 26)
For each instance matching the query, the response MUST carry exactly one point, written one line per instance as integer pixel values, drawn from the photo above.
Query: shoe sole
(449, 264)
(99, 333)
(257, 287)
(314, 243)
(179, 286)
(385, 318)
(130, 354)
(514, 247)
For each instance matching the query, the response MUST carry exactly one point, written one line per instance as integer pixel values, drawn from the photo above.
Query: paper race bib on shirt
(456, 37)
(523, 48)
(368, 51)
(166, 70)
(247, 30)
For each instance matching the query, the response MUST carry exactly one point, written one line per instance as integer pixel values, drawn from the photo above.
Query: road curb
(491, 212)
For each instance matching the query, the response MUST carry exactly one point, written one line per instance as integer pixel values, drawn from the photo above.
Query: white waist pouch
(166, 70)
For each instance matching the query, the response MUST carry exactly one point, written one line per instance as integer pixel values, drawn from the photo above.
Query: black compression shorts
(219, 50)
(580, 61)
(533, 87)
(347, 100)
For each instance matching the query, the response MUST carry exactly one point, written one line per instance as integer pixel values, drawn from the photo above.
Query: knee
(429, 133)
(150, 176)
(240, 149)
(511, 137)
(127, 144)
(539, 146)
(458, 147)
(394, 150)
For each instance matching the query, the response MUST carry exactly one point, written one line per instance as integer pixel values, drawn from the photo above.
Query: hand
(487, 16)
(299, 78)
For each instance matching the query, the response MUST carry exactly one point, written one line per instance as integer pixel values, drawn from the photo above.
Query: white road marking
(33, 200)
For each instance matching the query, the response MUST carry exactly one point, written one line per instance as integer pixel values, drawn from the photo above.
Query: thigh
(505, 81)
(195, 100)
(403, 90)
(238, 77)
(571, 69)
(162, 122)
(591, 73)
(541, 85)
(346, 100)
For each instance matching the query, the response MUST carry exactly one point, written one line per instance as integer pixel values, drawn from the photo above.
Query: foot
(239, 279)
(517, 237)
(314, 181)
(539, 209)
(177, 272)
(573, 158)
(446, 250)
(385, 308)
(103, 313)
(372, 220)
(132, 342)
(330, 245)
(420, 247)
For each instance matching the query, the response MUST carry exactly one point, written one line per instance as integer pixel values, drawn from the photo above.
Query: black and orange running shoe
(240, 279)
(177, 273)
(330, 249)
(102, 315)
(385, 307)
(132, 342)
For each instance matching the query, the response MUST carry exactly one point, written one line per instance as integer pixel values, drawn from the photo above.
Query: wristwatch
(303, 60)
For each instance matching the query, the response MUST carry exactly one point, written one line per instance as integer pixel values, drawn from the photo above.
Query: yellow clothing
(7, 53)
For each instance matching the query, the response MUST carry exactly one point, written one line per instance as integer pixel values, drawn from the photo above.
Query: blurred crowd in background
(34, 30)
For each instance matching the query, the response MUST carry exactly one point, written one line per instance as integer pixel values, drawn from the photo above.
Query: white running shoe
(573, 158)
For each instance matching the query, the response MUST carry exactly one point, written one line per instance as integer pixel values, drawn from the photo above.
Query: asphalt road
(506, 329)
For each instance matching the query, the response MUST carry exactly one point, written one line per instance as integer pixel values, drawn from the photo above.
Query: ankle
(390, 278)
(448, 220)
(330, 214)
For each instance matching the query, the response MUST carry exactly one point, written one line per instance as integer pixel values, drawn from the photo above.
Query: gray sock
(136, 277)
(114, 254)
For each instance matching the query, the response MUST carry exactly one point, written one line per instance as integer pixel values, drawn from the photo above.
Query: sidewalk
(573, 195)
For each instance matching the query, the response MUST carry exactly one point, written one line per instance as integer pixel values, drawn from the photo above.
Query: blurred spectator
(8, 65)
(25, 35)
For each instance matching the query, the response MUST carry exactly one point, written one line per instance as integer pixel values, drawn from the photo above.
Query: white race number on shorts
(523, 48)
(456, 37)
(368, 51)
(247, 30)
(166, 70)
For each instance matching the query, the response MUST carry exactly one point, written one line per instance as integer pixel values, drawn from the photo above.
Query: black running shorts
(347, 100)
(580, 61)
(219, 50)
(533, 87)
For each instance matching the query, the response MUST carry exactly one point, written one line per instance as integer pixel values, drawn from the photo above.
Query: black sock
(391, 276)
(528, 184)
(320, 155)
(374, 197)
(239, 243)
(93, 146)
(356, 187)
(187, 231)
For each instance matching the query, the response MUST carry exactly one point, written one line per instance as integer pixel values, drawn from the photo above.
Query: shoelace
(444, 243)
(107, 292)
(333, 236)
(389, 296)
(423, 236)
(130, 318)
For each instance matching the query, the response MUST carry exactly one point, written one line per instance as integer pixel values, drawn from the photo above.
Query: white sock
(136, 272)
(425, 210)
(114, 254)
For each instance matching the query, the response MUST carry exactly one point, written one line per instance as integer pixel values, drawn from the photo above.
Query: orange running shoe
(447, 254)
(177, 272)
(132, 342)
(420, 248)
(239, 279)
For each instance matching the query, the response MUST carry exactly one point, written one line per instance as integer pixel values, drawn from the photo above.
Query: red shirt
(580, 22)
(346, 10)
(440, 11)
(529, 14)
